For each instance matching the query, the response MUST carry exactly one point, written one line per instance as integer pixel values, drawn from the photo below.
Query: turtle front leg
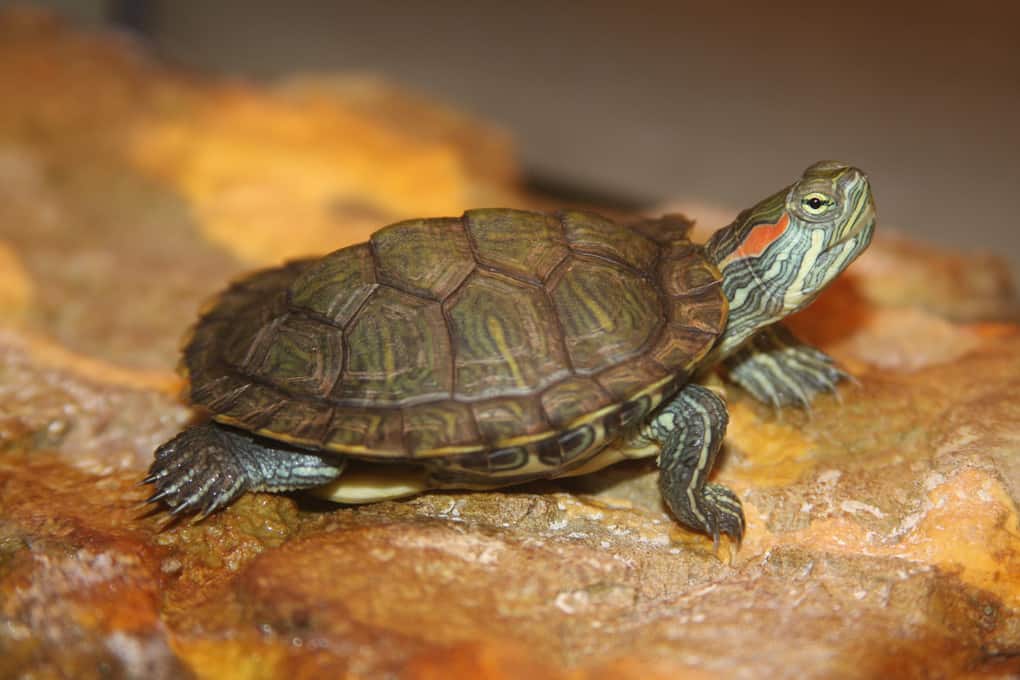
(778, 369)
(206, 467)
(689, 431)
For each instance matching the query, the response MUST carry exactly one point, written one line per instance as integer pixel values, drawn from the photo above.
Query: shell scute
(378, 432)
(301, 422)
(684, 271)
(522, 243)
(608, 313)
(505, 338)
(252, 408)
(591, 233)
(398, 352)
(433, 429)
(217, 391)
(665, 229)
(304, 356)
(570, 399)
(483, 464)
(619, 381)
(335, 286)
(244, 345)
(705, 315)
(575, 442)
(681, 345)
(503, 418)
(428, 257)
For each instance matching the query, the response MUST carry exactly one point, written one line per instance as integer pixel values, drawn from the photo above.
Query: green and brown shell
(501, 344)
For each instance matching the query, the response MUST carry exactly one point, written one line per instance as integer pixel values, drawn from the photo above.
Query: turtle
(505, 346)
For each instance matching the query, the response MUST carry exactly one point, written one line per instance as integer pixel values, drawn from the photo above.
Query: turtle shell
(502, 343)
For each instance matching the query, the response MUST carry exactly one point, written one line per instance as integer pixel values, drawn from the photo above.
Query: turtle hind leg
(205, 468)
(689, 431)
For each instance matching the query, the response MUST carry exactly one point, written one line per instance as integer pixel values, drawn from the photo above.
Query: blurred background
(649, 102)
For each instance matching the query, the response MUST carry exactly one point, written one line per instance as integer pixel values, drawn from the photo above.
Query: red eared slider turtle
(505, 346)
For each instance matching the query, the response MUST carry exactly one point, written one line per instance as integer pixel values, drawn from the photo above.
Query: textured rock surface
(883, 532)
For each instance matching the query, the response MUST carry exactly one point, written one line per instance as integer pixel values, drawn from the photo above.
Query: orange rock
(15, 285)
(883, 534)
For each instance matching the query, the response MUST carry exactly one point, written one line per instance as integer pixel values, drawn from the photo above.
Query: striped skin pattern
(689, 430)
(778, 369)
(506, 346)
(204, 480)
(775, 259)
(777, 256)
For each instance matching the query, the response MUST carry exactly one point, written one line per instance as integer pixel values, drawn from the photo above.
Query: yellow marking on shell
(291, 439)
(601, 460)
(361, 449)
(450, 421)
(228, 420)
(389, 361)
(523, 440)
(281, 436)
(604, 319)
(610, 455)
(446, 451)
(654, 391)
(587, 418)
(495, 329)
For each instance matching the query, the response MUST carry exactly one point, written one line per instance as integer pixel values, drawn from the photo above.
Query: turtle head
(777, 256)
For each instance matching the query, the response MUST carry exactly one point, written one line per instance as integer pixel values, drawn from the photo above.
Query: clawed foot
(206, 467)
(791, 375)
(195, 472)
(725, 513)
(715, 510)
(720, 512)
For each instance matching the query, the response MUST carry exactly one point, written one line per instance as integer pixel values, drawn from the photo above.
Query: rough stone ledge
(883, 536)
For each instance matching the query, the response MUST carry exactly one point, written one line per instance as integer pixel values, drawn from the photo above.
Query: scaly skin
(207, 466)
(778, 369)
(779, 255)
(774, 259)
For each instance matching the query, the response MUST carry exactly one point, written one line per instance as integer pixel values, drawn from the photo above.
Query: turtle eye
(816, 204)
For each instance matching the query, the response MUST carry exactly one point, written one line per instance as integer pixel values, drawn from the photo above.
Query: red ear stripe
(758, 239)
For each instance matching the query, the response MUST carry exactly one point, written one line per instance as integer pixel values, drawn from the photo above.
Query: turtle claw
(205, 468)
(195, 469)
(150, 479)
(792, 376)
(716, 511)
(778, 369)
(725, 514)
